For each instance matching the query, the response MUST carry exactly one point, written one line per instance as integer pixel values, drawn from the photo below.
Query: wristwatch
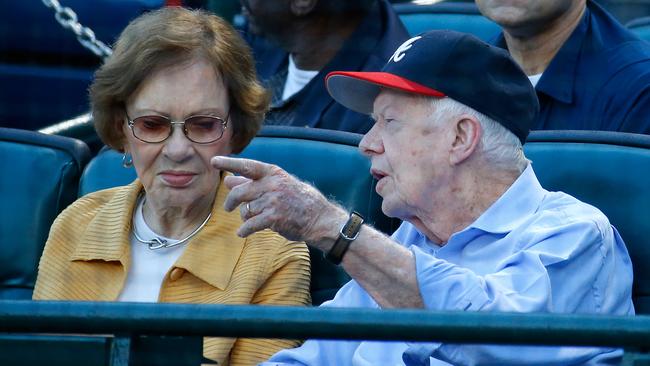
(347, 234)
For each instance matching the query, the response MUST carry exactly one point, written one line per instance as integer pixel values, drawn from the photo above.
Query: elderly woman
(179, 89)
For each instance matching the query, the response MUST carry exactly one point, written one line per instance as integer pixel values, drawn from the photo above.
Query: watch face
(351, 228)
(349, 232)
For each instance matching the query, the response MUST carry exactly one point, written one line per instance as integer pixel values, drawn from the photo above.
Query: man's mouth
(377, 174)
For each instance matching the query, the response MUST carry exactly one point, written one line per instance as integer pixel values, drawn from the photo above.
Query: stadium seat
(331, 161)
(99, 350)
(40, 178)
(48, 69)
(611, 171)
(328, 159)
(104, 171)
(641, 27)
(626, 10)
(462, 17)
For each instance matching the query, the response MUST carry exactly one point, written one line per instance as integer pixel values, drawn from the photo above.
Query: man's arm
(296, 210)
(539, 276)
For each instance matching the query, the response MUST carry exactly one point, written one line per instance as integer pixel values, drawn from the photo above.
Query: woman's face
(176, 173)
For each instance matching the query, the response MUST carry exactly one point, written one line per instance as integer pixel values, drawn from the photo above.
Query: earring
(127, 160)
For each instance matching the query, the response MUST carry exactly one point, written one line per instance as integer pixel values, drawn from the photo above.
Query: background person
(479, 232)
(589, 71)
(304, 40)
(166, 237)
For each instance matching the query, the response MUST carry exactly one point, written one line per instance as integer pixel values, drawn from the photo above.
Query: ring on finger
(248, 208)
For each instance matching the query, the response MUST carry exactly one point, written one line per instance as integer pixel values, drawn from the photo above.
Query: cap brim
(358, 90)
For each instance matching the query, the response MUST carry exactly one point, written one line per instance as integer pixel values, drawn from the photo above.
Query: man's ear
(468, 132)
(303, 7)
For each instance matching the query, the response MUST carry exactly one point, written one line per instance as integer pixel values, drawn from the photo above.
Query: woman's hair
(172, 36)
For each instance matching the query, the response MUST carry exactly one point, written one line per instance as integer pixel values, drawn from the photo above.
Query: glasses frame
(224, 123)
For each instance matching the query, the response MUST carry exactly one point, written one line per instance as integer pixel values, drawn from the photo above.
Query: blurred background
(45, 71)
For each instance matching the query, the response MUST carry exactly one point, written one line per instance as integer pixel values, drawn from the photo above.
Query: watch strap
(347, 234)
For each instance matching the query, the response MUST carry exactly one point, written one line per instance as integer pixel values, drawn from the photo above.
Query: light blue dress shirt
(531, 251)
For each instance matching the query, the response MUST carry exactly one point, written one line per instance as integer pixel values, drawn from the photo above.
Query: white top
(296, 79)
(148, 267)
(534, 79)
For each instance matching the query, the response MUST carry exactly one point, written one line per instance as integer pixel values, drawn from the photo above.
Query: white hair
(498, 145)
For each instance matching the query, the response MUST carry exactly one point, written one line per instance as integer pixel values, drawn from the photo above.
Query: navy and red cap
(443, 63)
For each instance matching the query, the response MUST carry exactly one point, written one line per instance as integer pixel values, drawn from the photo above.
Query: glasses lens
(204, 129)
(151, 128)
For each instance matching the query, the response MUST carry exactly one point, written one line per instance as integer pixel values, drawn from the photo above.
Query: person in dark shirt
(296, 43)
(590, 73)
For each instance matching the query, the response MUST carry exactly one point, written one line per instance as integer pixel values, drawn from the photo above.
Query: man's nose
(371, 143)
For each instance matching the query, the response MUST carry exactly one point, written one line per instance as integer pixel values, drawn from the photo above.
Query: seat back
(626, 10)
(105, 171)
(100, 350)
(328, 159)
(640, 27)
(48, 69)
(41, 175)
(461, 17)
(331, 161)
(610, 171)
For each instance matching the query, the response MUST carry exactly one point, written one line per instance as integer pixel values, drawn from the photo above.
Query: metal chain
(68, 20)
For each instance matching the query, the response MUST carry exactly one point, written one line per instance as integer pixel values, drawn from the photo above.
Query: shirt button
(176, 274)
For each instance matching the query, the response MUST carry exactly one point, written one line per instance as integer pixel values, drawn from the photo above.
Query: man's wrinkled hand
(270, 198)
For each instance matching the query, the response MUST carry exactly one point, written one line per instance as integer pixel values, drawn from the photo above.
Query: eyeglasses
(199, 129)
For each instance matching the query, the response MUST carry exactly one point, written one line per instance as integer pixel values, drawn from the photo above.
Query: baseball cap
(443, 63)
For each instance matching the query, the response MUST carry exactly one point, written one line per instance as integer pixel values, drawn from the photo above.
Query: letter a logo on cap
(400, 52)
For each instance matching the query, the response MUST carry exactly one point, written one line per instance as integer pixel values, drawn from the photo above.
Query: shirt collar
(211, 255)
(107, 235)
(520, 200)
(559, 78)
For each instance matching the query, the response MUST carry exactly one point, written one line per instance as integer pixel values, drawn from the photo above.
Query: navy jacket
(367, 49)
(599, 79)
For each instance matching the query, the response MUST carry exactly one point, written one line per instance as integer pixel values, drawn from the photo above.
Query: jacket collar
(211, 255)
(106, 237)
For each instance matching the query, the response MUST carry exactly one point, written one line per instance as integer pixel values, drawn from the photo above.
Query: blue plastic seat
(328, 159)
(40, 178)
(99, 349)
(611, 171)
(462, 17)
(44, 71)
(641, 27)
(104, 171)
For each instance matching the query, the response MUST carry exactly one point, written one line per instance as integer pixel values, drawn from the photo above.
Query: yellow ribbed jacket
(87, 257)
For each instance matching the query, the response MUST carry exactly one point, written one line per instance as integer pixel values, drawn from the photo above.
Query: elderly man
(479, 232)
